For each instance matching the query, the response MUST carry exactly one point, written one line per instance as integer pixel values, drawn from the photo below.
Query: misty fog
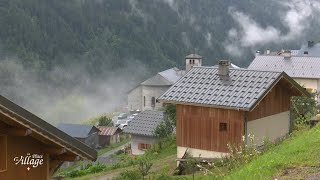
(67, 94)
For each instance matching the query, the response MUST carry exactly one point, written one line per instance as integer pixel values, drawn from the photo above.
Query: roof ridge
(265, 55)
(237, 69)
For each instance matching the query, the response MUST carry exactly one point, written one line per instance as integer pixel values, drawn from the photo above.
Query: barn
(108, 135)
(216, 106)
(87, 134)
(31, 148)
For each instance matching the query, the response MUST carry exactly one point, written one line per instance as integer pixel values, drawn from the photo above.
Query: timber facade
(32, 149)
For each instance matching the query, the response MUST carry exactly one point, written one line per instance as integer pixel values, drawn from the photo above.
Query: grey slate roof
(193, 56)
(202, 86)
(164, 78)
(231, 65)
(76, 130)
(312, 51)
(296, 66)
(145, 123)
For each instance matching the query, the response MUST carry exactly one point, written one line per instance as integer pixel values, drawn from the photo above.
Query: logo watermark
(33, 160)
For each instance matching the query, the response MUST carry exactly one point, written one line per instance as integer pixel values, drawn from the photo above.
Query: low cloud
(67, 94)
(250, 33)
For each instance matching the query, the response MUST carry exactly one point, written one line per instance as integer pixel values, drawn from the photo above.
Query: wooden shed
(31, 148)
(87, 134)
(216, 106)
(108, 135)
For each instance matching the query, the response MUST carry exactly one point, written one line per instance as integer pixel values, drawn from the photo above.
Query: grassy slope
(166, 157)
(300, 149)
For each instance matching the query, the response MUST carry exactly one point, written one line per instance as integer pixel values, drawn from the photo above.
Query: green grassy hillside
(297, 157)
(301, 149)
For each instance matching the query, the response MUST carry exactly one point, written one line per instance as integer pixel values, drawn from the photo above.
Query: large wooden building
(31, 148)
(216, 106)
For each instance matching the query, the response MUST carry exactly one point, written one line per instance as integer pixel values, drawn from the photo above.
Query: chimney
(257, 53)
(286, 54)
(223, 69)
(268, 52)
(310, 44)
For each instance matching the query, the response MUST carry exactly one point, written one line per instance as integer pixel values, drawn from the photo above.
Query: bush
(304, 108)
(129, 175)
(163, 175)
(104, 121)
(87, 169)
(144, 166)
(242, 154)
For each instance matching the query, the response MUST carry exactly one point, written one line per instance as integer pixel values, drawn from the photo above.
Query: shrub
(163, 175)
(144, 166)
(104, 121)
(129, 175)
(241, 154)
(304, 108)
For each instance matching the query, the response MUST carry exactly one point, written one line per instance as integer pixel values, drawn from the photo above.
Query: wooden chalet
(216, 106)
(31, 148)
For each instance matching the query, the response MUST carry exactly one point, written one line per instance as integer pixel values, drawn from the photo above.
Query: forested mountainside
(105, 34)
(59, 45)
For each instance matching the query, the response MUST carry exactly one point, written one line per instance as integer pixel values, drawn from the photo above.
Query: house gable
(276, 100)
(28, 134)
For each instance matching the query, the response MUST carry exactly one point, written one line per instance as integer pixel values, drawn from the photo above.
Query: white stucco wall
(199, 152)
(152, 91)
(272, 127)
(134, 99)
(308, 83)
(136, 140)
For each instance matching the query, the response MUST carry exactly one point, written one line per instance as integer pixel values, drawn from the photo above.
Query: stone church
(143, 97)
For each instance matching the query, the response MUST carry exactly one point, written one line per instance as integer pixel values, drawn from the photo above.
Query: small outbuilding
(141, 130)
(31, 148)
(87, 134)
(216, 106)
(108, 135)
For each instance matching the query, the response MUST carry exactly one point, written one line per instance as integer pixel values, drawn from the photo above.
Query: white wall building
(141, 130)
(143, 97)
(303, 69)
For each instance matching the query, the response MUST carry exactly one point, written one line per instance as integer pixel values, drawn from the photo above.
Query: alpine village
(159, 90)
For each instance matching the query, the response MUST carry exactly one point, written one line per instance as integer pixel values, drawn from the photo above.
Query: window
(153, 102)
(142, 146)
(223, 127)
(189, 61)
(3, 153)
(144, 101)
(193, 61)
(305, 52)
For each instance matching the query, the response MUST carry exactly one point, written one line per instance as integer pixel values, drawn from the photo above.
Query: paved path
(112, 151)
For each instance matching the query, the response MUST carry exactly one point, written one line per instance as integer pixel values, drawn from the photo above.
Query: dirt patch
(308, 173)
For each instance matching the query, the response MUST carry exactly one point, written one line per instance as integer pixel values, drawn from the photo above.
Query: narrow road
(112, 151)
